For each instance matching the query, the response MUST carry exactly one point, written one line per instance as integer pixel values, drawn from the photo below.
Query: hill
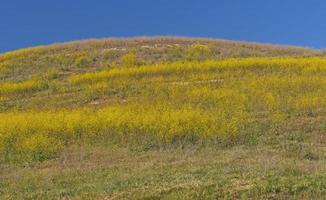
(162, 118)
(89, 55)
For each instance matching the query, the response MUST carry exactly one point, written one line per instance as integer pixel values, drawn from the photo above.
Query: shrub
(83, 61)
(129, 60)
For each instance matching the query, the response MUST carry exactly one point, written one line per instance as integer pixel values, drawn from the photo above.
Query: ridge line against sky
(41, 22)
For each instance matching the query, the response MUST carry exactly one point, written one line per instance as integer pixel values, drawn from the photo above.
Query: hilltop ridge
(90, 55)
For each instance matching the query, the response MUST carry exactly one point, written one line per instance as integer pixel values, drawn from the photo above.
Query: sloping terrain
(162, 118)
(92, 55)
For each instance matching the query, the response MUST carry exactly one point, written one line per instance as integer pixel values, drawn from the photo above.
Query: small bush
(83, 61)
(129, 60)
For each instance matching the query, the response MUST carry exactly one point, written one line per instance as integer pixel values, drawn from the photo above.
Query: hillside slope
(162, 118)
(74, 57)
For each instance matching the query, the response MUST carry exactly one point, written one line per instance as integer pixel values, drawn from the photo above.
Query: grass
(170, 174)
(191, 125)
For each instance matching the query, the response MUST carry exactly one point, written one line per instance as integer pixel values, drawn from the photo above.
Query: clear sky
(25, 23)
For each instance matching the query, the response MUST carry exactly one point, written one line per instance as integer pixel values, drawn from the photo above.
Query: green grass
(234, 173)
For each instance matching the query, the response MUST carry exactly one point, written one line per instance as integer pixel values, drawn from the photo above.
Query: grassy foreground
(195, 126)
(259, 172)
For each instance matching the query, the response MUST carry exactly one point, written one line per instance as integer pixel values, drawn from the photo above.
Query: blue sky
(25, 23)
